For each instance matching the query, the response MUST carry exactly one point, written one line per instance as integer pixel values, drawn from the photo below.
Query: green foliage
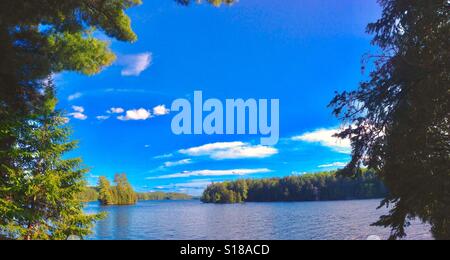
(399, 119)
(310, 187)
(40, 38)
(69, 52)
(37, 40)
(38, 189)
(163, 196)
(121, 194)
(88, 194)
(104, 191)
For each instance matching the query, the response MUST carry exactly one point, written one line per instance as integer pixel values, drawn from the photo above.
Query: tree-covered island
(122, 193)
(308, 187)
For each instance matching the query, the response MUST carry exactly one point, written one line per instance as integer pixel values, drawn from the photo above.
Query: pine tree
(124, 191)
(39, 192)
(121, 194)
(399, 119)
(104, 187)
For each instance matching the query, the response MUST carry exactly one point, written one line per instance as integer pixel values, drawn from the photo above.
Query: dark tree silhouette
(399, 119)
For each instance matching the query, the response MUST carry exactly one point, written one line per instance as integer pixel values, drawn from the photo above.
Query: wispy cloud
(163, 156)
(178, 163)
(102, 118)
(78, 109)
(75, 96)
(231, 150)
(296, 173)
(326, 138)
(115, 110)
(79, 116)
(136, 115)
(194, 187)
(160, 110)
(134, 65)
(78, 113)
(333, 165)
(212, 173)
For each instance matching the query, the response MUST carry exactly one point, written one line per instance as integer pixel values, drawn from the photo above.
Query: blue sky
(298, 51)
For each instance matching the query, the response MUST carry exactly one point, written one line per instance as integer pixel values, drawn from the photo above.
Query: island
(323, 186)
(122, 193)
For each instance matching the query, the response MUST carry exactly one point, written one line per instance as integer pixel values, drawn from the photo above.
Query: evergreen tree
(41, 38)
(399, 119)
(123, 191)
(309, 187)
(104, 190)
(37, 40)
(88, 194)
(121, 194)
(39, 190)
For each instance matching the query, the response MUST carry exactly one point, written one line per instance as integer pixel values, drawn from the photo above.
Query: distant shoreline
(325, 186)
(91, 195)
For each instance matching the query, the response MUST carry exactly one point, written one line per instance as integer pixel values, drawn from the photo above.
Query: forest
(146, 196)
(123, 193)
(323, 186)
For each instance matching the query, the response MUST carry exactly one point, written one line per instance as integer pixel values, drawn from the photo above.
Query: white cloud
(79, 116)
(335, 164)
(160, 110)
(178, 163)
(79, 113)
(246, 151)
(102, 118)
(296, 173)
(115, 110)
(326, 138)
(194, 187)
(208, 173)
(134, 65)
(136, 114)
(78, 109)
(75, 96)
(207, 149)
(231, 150)
(196, 184)
(163, 156)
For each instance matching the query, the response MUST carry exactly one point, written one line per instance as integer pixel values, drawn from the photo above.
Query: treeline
(88, 194)
(310, 187)
(123, 193)
(163, 196)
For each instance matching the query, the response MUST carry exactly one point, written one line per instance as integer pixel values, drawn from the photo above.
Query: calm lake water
(192, 220)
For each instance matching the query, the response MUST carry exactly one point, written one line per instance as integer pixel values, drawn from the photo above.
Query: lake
(193, 220)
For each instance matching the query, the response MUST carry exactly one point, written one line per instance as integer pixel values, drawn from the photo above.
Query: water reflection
(191, 220)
